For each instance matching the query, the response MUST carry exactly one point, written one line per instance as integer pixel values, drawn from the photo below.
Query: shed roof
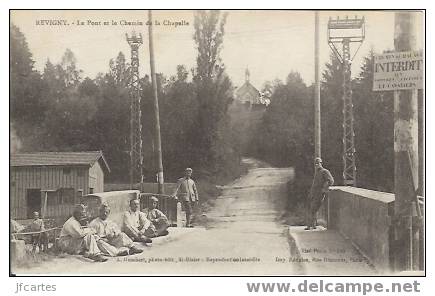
(58, 159)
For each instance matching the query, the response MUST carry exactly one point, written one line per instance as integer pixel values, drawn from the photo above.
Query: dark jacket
(321, 182)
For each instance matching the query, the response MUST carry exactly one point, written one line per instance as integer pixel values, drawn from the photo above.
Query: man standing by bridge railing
(319, 189)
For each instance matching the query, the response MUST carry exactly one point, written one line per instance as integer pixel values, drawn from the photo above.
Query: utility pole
(158, 140)
(405, 152)
(317, 126)
(347, 31)
(136, 157)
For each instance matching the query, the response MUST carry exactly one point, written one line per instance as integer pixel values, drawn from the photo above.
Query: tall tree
(54, 86)
(71, 75)
(120, 69)
(374, 129)
(214, 94)
(69, 123)
(284, 137)
(26, 100)
(112, 126)
(209, 32)
(178, 110)
(373, 124)
(285, 133)
(332, 117)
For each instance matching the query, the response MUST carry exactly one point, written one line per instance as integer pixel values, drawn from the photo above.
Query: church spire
(247, 75)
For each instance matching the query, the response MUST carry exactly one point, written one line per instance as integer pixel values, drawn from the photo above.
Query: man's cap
(318, 159)
(188, 170)
(153, 198)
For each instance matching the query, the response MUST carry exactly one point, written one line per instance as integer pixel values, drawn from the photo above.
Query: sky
(270, 43)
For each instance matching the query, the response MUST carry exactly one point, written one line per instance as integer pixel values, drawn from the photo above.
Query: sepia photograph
(217, 142)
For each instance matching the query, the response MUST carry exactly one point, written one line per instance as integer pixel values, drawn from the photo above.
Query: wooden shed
(52, 182)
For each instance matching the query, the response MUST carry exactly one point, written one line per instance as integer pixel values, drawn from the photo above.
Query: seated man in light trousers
(159, 220)
(136, 225)
(77, 239)
(112, 241)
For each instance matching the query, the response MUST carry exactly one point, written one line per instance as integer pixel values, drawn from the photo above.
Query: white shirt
(137, 219)
(104, 228)
(73, 229)
(186, 189)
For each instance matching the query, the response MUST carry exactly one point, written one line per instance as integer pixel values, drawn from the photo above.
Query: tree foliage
(209, 31)
(60, 110)
(331, 95)
(26, 91)
(374, 131)
(285, 136)
(373, 126)
(214, 146)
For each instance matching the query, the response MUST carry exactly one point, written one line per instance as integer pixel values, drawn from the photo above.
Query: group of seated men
(102, 237)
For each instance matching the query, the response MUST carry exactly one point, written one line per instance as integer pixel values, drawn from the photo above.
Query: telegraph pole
(317, 127)
(405, 151)
(160, 179)
(136, 158)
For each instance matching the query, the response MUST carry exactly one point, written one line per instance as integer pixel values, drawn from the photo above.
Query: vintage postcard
(217, 142)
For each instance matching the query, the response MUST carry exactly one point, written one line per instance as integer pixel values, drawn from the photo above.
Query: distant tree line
(286, 138)
(60, 110)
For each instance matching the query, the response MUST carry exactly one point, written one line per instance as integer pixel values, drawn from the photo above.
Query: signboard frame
(398, 71)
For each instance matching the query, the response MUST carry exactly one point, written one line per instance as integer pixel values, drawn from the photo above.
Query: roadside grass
(297, 194)
(33, 259)
(296, 215)
(209, 188)
(209, 185)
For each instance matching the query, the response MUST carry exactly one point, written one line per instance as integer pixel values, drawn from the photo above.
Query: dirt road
(242, 235)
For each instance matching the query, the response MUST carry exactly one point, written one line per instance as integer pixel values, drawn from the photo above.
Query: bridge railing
(366, 217)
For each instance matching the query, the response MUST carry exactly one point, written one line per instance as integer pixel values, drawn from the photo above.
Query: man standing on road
(319, 189)
(188, 194)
